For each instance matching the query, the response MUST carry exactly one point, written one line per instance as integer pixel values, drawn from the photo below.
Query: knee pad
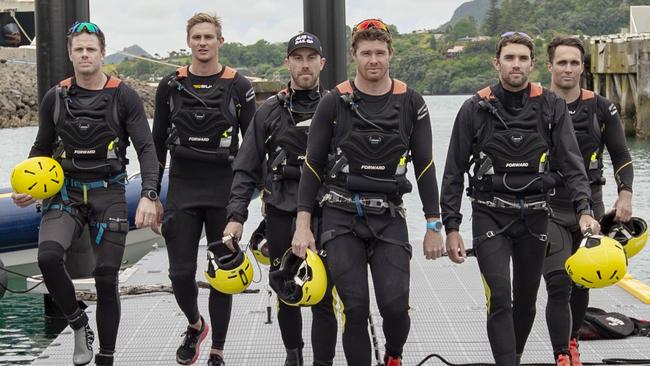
(50, 254)
(182, 273)
(105, 276)
(558, 286)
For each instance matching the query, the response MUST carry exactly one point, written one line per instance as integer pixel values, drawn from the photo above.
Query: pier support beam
(643, 94)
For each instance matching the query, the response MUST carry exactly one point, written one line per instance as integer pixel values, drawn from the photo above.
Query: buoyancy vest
(588, 132)
(287, 138)
(92, 143)
(369, 152)
(203, 123)
(511, 151)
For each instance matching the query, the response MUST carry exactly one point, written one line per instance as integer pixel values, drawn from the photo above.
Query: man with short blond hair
(200, 110)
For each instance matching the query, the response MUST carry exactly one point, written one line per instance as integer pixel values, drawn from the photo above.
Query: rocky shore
(19, 95)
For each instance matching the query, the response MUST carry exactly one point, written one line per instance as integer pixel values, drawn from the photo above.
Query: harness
(67, 205)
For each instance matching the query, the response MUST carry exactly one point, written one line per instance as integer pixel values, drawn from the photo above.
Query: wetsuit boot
(518, 359)
(392, 360)
(563, 360)
(83, 340)
(216, 360)
(294, 357)
(103, 359)
(323, 363)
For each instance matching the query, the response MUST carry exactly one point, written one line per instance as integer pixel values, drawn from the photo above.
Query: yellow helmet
(599, 262)
(633, 235)
(300, 281)
(40, 176)
(259, 246)
(228, 272)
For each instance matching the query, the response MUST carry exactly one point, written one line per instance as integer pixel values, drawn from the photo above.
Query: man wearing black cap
(278, 135)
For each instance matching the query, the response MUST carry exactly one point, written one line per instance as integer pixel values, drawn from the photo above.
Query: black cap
(304, 40)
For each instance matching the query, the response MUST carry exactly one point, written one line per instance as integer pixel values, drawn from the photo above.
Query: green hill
(422, 59)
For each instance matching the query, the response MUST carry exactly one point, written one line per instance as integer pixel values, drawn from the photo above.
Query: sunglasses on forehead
(371, 23)
(510, 34)
(79, 27)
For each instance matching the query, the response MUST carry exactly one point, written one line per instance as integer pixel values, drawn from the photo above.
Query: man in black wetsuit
(85, 122)
(597, 125)
(505, 133)
(200, 110)
(278, 135)
(362, 135)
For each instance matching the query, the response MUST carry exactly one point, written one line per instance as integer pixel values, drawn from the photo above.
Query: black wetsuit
(355, 238)
(597, 123)
(272, 151)
(537, 121)
(198, 189)
(64, 217)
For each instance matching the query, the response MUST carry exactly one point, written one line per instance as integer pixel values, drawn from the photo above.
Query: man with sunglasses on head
(505, 134)
(85, 123)
(362, 136)
(597, 125)
(200, 109)
(277, 137)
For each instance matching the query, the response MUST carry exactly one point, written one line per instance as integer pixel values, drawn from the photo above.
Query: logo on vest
(199, 139)
(301, 157)
(199, 116)
(516, 139)
(84, 152)
(373, 167)
(517, 165)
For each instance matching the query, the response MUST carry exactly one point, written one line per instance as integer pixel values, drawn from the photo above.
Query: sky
(158, 26)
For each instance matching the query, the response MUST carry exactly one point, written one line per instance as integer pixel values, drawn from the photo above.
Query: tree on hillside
(463, 28)
(490, 26)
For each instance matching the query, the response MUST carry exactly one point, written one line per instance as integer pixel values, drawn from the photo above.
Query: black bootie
(294, 357)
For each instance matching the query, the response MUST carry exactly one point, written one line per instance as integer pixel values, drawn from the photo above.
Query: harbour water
(24, 333)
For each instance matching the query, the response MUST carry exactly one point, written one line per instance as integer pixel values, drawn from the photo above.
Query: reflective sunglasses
(510, 34)
(371, 23)
(79, 27)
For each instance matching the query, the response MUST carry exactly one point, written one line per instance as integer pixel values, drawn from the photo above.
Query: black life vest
(589, 136)
(91, 140)
(511, 153)
(369, 152)
(287, 138)
(203, 124)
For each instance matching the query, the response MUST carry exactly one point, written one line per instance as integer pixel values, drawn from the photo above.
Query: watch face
(152, 195)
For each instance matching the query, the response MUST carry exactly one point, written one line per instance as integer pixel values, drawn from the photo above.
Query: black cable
(2, 268)
(605, 361)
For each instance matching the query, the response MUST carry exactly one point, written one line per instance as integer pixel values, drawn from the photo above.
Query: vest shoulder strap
(399, 87)
(112, 83)
(67, 83)
(345, 87)
(485, 93)
(587, 94)
(536, 90)
(228, 73)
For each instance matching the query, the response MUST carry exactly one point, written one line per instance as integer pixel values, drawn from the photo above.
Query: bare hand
(303, 238)
(623, 206)
(455, 247)
(433, 245)
(147, 215)
(22, 199)
(234, 230)
(589, 224)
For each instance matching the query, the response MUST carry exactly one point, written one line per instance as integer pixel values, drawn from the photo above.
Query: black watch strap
(149, 194)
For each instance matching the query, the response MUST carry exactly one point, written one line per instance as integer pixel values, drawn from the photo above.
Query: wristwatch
(435, 225)
(150, 194)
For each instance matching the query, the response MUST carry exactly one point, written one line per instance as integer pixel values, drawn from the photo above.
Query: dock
(447, 318)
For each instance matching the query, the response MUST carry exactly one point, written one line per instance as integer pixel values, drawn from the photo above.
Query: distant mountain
(135, 50)
(474, 8)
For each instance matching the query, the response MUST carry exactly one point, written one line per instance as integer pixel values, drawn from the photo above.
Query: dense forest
(422, 59)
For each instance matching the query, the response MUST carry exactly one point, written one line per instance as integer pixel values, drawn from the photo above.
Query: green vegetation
(422, 60)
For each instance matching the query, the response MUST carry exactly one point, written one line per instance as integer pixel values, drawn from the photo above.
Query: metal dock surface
(447, 318)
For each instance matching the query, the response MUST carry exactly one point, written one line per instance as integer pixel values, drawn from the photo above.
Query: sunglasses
(371, 23)
(79, 27)
(510, 34)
